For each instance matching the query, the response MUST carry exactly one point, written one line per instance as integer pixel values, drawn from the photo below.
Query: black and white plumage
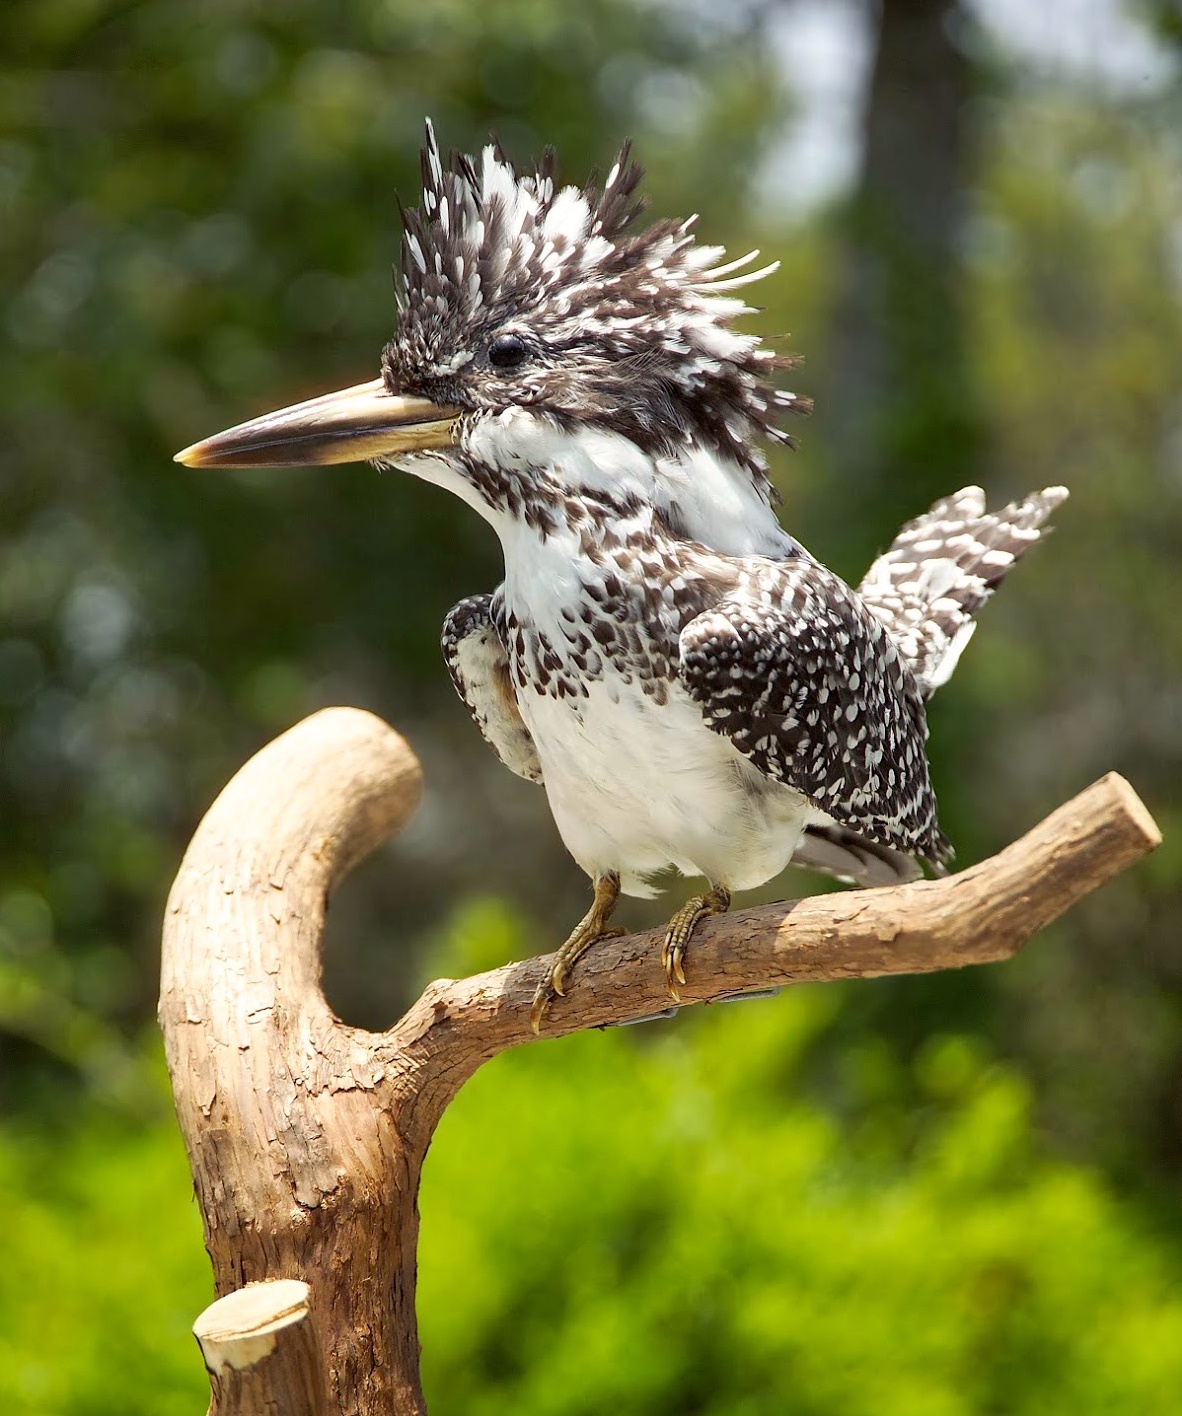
(690, 686)
(618, 328)
(820, 688)
(628, 337)
(479, 666)
(942, 567)
(812, 690)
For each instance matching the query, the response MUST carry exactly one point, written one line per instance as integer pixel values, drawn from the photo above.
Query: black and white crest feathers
(625, 327)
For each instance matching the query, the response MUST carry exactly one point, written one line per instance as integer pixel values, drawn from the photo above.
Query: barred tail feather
(943, 566)
(837, 851)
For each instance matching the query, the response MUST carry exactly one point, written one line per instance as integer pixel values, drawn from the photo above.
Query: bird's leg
(716, 900)
(589, 930)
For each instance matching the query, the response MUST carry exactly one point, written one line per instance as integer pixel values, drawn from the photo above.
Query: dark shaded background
(197, 217)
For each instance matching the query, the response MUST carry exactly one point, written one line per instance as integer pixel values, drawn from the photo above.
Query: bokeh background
(958, 1194)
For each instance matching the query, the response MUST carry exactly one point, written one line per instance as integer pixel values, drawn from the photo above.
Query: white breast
(636, 786)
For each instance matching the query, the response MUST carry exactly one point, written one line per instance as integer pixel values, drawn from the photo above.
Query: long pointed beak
(352, 425)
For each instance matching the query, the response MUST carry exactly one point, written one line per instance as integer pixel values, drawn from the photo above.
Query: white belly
(636, 787)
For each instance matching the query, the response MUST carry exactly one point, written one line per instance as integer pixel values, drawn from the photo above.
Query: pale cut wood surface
(307, 1137)
(261, 1351)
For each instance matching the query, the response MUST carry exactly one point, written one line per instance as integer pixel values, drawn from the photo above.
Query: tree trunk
(897, 405)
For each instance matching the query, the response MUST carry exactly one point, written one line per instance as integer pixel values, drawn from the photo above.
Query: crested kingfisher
(688, 684)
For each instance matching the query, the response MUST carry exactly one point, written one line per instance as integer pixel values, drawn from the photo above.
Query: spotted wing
(942, 567)
(810, 687)
(479, 668)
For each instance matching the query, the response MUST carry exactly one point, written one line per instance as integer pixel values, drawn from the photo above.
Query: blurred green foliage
(844, 1201)
(103, 1266)
(675, 1230)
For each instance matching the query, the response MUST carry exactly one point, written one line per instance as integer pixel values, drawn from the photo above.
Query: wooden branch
(307, 1137)
(290, 1118)
(984, 914)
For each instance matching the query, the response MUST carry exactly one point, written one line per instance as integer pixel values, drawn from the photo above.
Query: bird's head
(534, 318)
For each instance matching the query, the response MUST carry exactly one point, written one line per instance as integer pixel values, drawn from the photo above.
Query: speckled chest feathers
(682, 706)
(598, 595)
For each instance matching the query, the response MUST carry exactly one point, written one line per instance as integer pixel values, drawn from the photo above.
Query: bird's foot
(589, 930)
(681, 927)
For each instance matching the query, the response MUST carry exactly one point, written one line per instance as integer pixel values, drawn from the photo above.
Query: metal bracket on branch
(307, 1137)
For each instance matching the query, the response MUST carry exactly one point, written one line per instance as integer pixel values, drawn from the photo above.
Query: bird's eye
(507, 351)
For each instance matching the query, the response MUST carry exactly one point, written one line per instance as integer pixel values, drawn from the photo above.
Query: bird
(691, 687)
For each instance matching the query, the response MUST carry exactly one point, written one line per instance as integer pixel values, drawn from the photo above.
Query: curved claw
(717, 900)
(589, 930)
(543, 997)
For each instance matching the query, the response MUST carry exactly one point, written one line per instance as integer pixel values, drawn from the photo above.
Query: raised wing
(811, 688)
(942, 567)
(479, 668)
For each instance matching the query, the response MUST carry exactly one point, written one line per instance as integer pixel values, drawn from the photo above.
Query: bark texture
(307, 1137)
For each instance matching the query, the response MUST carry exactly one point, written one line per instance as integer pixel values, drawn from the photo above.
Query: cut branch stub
(307, 1137)
(262, 1353)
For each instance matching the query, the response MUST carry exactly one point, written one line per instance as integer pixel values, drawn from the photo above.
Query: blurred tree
(1076, 304)
(899, 404)
(1005, 309)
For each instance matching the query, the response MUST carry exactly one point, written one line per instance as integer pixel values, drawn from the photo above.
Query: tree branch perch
(307, 1137)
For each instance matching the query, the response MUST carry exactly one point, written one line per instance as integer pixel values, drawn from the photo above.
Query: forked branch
(307, 1136)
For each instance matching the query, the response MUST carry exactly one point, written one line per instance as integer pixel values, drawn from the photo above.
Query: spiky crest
(627, 327)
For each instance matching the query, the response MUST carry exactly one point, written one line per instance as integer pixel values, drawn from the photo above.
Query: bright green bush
(669, 1228)
(101, 1271)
